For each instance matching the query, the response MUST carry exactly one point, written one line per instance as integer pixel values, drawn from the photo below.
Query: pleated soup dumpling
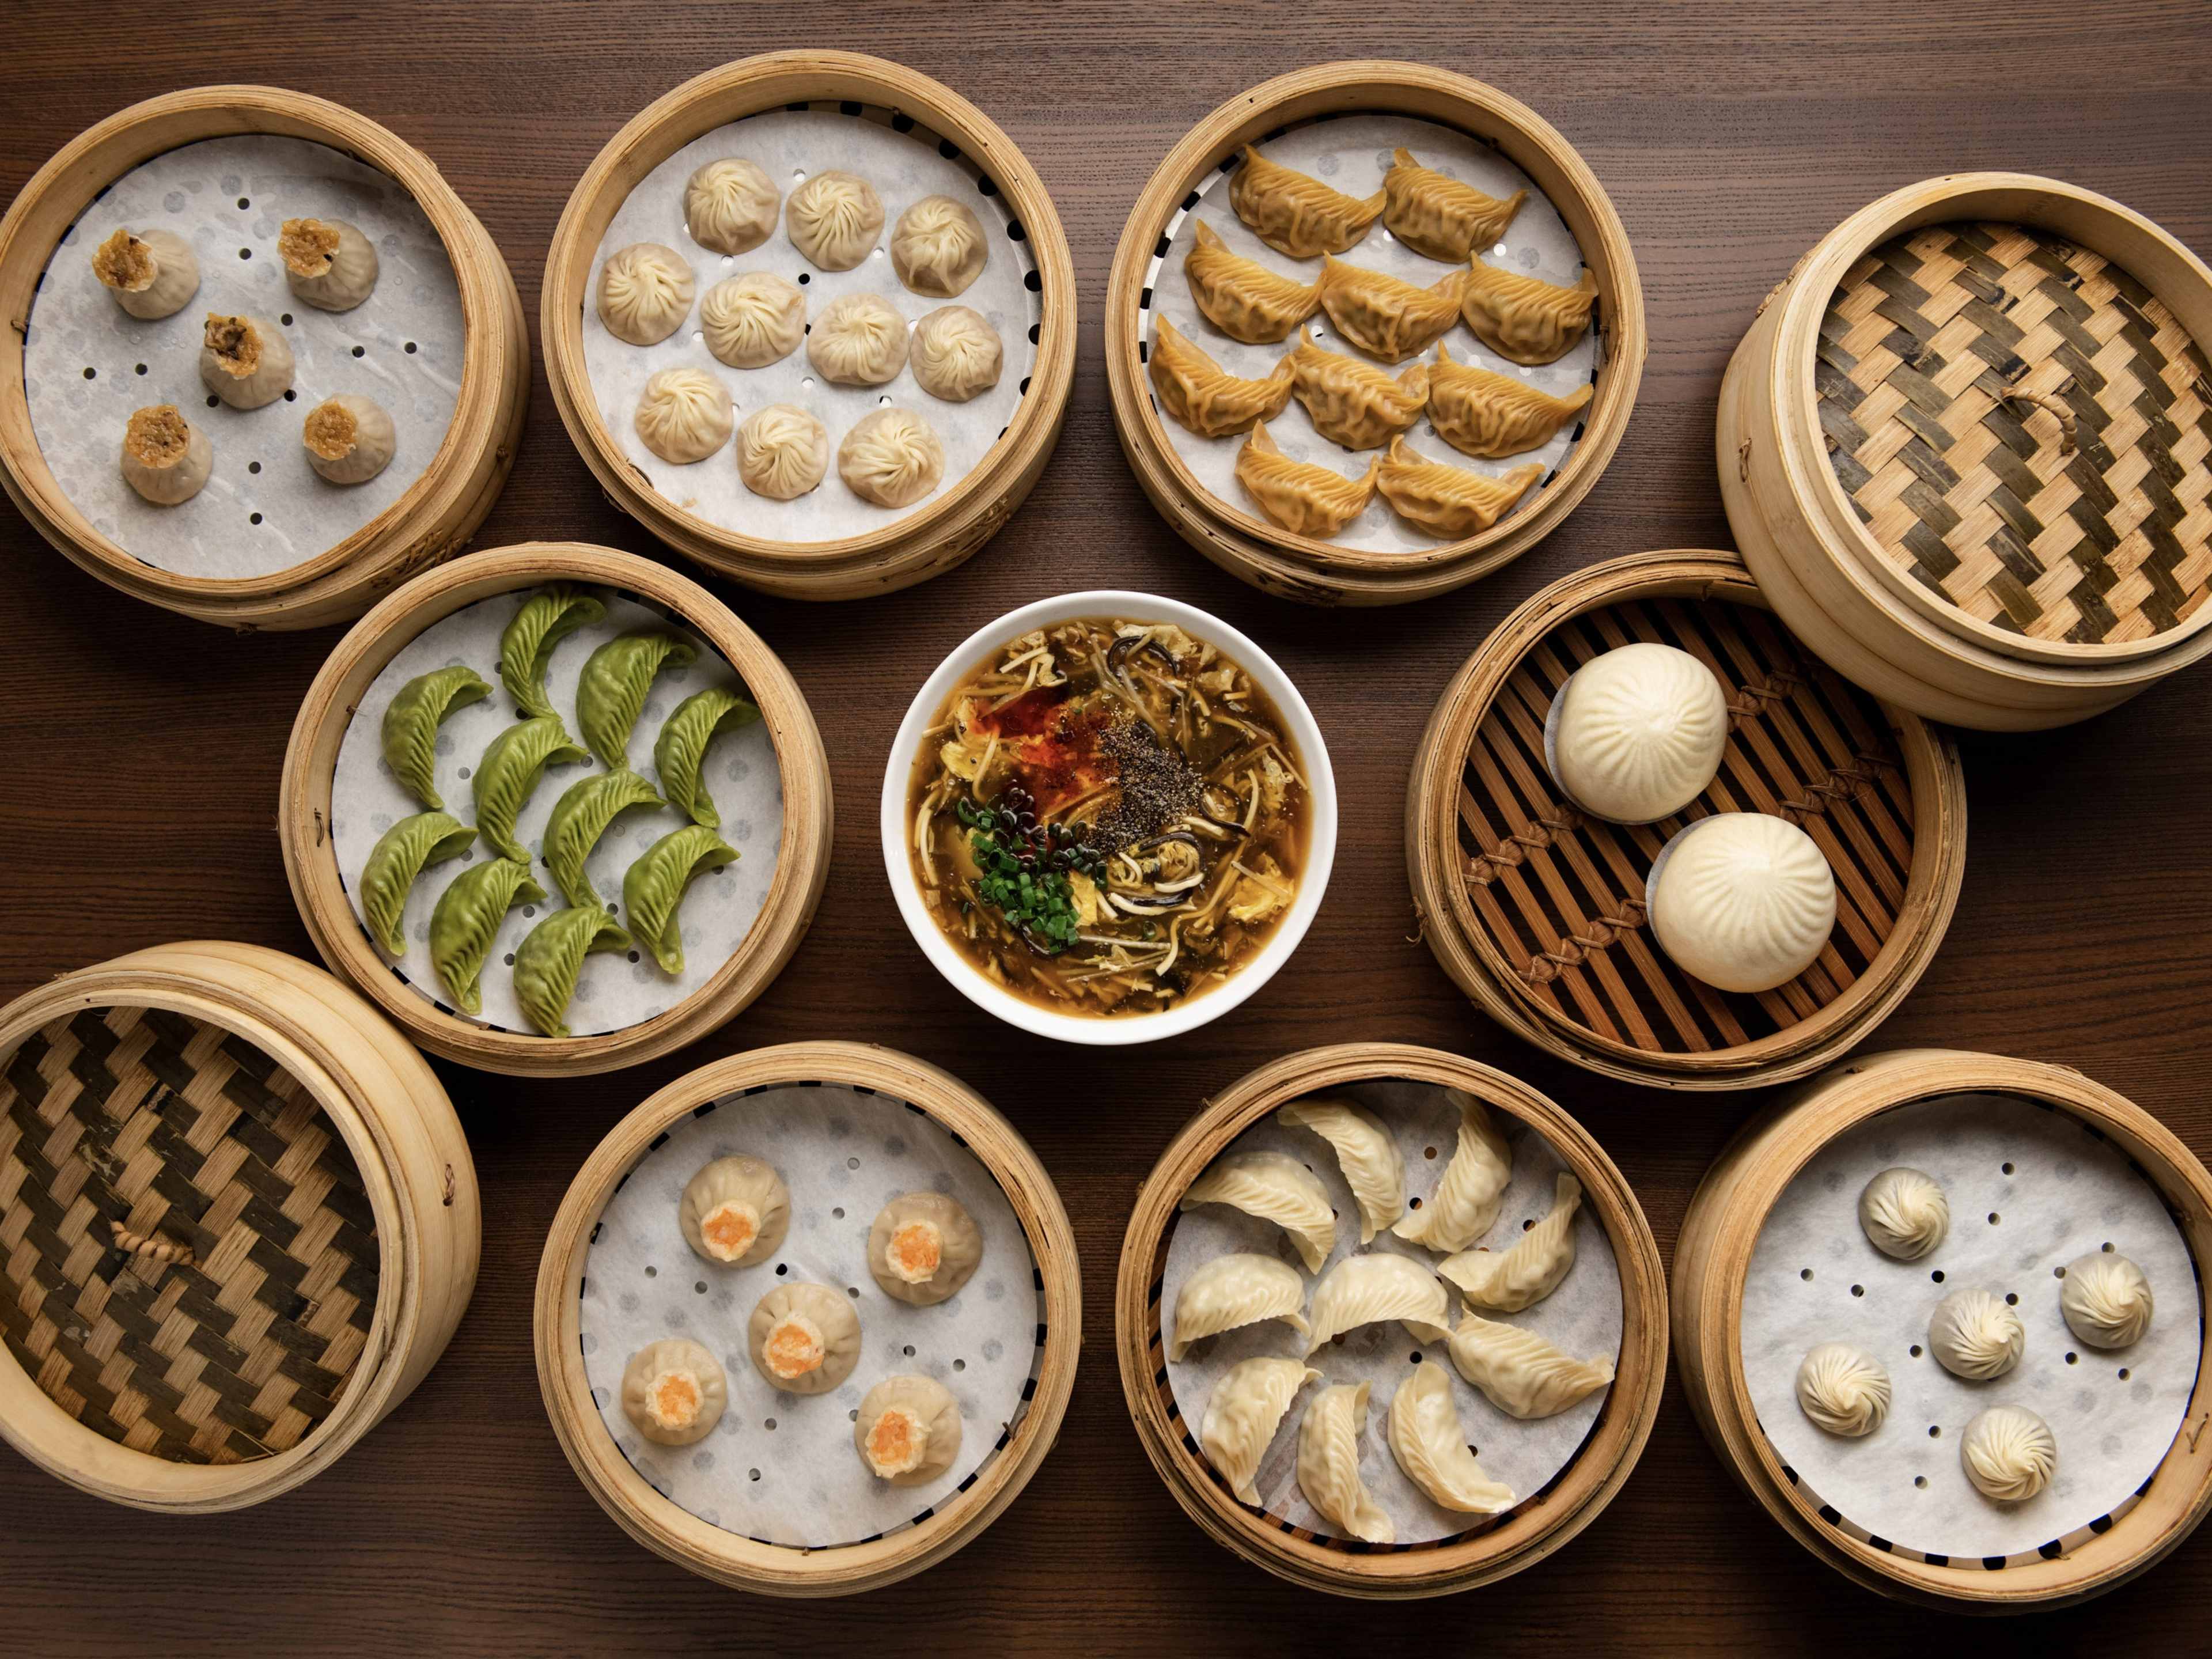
(645, 293)
(891, 457)
(957, 356)
(858, 340)
(735, 1212)
(1975, 1334)
(2009, 1453)
(730, 206)
(150, 273)
(244, 360)
(833, 219)
(348, 439)
(1637, 732)
(1843, 1390)
(329, 262)
(673, 1392)
(1904, 1213)
(804, 1338)
(783, 452)
(2106, 1300)
(938, 247)
(1742, 901)
(684, 414)
(907, 1431)
(166, 458)
(754, 320)
(923, 1247)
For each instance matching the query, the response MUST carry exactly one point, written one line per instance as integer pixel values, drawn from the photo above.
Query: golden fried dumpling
(1384, 317)
(1479, 413)
(1449, 501)
(1356, 404)
(1305, 500)
(1295, 213)
(1244, 300)
(1440, 216)
(1525, 318)
(1204, 396)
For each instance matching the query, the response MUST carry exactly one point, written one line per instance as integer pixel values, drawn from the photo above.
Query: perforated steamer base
(189, 1134)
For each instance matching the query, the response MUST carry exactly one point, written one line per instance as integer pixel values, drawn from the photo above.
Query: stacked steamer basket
(823, 106)
(740, 922)
(250, 551)
(1720, 1269)
(242, 1223)
(776, 1499)
(1578, 1476)
(1480, 135)
(1963, 451)
(1537, 910)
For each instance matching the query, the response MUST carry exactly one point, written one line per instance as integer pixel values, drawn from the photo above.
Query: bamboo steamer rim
(727, 1558)
(1311, 568)
(1539, 1525)
(1464, 948)
(310, 758)
(488, 409)
(2156, 260)
(914, 546)
(1713, 1261)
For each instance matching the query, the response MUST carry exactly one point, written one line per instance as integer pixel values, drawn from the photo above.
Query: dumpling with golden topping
(923, 1247)
(907, 1431)
(1304, 499)
(673, 1392)
(735, 1212)
(805, 1338)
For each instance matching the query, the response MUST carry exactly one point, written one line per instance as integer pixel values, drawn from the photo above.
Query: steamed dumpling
(645, 293)
(805, 1338)
(1241, 297)
(1383, 316)
(673, 1392)
(1430, 1443)
(1243, 1413)
(1904, 1213)
(1744, 901)
(348, 439)
(684, 414)
(151, 273)
(730, 206)
(833, 219)
(1365, 1152)
(891, 457)
(1236, 1290)
(1465, 1203)
(1640, 733)
(329, 262)
(1364, 1290)
(1297, 213)
(1494, 415)
(1205, 396)
(1448, 501)
(1519, 1372)
(166, 458)
(735, 1212)
(922, 1247)
(1434, 214)
(1526, 319)
(1974, 1336)
(957, 354)
(938, 247)
(2106, 1300)
(1843, 1390)
(753, 320)
(907, 1430)
(1512, 1279)
(244, 360)
(2009, 1453)
(1274, 1187)
(1328, 1464)
(1351, 403)
(783, 452)
(859, 340)
(1304, 499)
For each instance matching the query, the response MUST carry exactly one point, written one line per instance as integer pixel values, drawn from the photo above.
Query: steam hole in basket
(1937, 1275)
(1914, 1350)
(837, 1214)
(753, 1473)
(1806, 1274)
(1428, 1152)
(1934, 1432)
(1858, 1289)
(653, 1272)
(1920, 1480)
(2012, 1298)
(2072, 1358)
(1993, 1217)
(2124, 1373)
(2007, 1167)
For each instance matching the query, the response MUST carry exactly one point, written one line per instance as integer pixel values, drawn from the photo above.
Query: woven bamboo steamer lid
(319, 730)
(1712, 1259)
(1490, 1550)
(946, 531)
(1306, 568)
(727, 1558)
(241, 1108)
(1536, 909)
(438, 511)
(1935, 451)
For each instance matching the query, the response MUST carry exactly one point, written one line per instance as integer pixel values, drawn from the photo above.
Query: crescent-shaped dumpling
(1493, 416)
(1465, 1203)
(402, 853)
(1362, 1290)
(1328, 1464)
(1365, 1152)
(1236, 1290)
(1438, 215)
(616, 678)
(1519, 1372)
(467, 919)
(1448, 501)
(1430, 1443)
(526, 644)
(1274, 1187)
(680, 753)
(1202, 395)
(1509, 1280)
(653, 888)
(1304, 499)
(1295, 213)
(507, 776)
(1524, 317)
(551, 957)
(1384, 317)
(1356, 404)
(578, 818)
(412, 719)
(1241, 297)
(1243, 1413)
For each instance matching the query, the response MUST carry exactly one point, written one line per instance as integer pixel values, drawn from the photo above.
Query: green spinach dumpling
(655, 886)
(398, 858)
(680, 753)
(467, 919)
(507, 776)
(411, 722)
(551, 956)
(617, 678)
(580, 817)
(525, 647)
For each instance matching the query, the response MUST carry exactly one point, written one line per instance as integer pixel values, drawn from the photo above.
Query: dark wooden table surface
(140, 755)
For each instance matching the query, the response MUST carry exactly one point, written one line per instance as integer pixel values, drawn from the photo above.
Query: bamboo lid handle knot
(2055, 406)
(151, 1247)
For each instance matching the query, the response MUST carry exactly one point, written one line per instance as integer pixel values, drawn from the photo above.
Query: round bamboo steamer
(727, 1558)
(175, 1361)
(945, 532)
(432, 521)
(1712, 1259)
(1494, 1550)
(1309, 568)
(1536, 911)
(311, 759)
(1852, 600)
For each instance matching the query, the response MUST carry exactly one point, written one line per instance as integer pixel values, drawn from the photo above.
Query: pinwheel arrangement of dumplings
(609, 696)
(891, 457)
(1352, 402)
(245, 361)
(1522, 1374)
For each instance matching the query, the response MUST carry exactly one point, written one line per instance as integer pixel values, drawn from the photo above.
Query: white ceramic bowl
(1313, 879)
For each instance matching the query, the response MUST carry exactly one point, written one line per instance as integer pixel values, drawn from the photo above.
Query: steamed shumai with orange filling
(1494, 415)
(673, 1392)
(1205, 396)
(735, 1212)
(1241, 297)
(1296, 214)
(805, 1338)
(1304, 499)
(1356, 404)
(1445, 501)
(1433, 214)
(1524, 317)
(907, 1431)
(1384, 317)
(923, 1247)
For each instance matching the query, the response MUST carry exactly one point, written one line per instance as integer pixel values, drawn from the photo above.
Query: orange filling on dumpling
(730, 1228)
(793, 1346)
(308, 245)
(897, 1442)
(125, 263)
(674, 1399)
(914, 1252)
(332, 431)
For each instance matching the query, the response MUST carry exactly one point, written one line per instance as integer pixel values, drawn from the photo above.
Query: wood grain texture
(143, 752)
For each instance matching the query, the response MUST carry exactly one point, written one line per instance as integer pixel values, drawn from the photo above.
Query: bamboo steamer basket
(438, 513)
(1491, 1550)
(728, 1558)
(933, 539)
(1712, 1259)
(319, 731)
(1309, 568)
(238, 1106)
(1536, 909)
(1964, 450)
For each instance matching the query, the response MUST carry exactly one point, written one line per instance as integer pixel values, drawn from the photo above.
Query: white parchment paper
(264, 508)
(1351, 154)
(790, 145)
(614, 990)
(781, 1467)
(1583, 1316)
(2056, 1193)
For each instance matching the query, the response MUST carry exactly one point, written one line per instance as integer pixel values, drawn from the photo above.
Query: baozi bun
(645, 293)
(166, 458)
(1742, 901)
(735, 1211)
(938, 247)
(244, 360)
(2009, 1453)
(1843, 1390)
(730, 206)
(833, 219)
(329, 262)
(1904, 1213)
(957, 354)
(907, 1431)
(783, 452)
(805, 1338)
(684, 414)
(922, 1247)
(1637, 732)
(859, 340)
(753, 320)
(891, 457)
(1974, 1336)
(2106, 1300)
(673, 1392)
(348, 439)
(151, 273)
